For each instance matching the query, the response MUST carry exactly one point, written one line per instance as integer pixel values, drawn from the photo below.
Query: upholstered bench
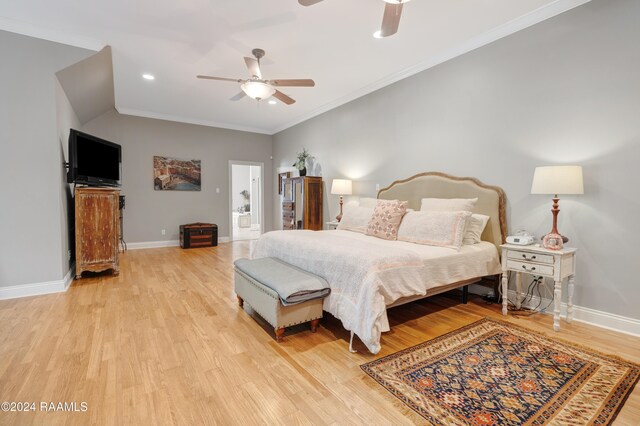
(280, 293)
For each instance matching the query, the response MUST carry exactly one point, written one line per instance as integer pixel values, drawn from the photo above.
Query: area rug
(493, 372)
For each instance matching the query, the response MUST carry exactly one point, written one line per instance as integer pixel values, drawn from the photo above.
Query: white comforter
(366, 274)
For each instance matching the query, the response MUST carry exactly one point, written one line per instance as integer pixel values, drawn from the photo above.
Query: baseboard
(160, 244)
(587, 315)
(37, 289)
(153, 244)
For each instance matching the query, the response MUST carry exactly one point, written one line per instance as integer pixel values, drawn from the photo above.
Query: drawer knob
(525, 268)
(525, 256)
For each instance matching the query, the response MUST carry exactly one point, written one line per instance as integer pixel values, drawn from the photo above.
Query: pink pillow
(387, 215)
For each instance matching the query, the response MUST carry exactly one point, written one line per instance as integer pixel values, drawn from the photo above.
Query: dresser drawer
(534, 268)
(530, 257)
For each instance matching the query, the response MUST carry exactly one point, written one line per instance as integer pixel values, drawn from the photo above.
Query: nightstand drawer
(530, 257)
(533, 268)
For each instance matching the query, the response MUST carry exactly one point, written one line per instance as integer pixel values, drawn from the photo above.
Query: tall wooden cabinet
(97, 230)
(302, 203)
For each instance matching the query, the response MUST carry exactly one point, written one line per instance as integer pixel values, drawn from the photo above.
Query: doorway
(246, 187)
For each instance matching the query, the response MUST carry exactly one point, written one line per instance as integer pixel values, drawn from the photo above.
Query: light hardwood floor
(166, 343)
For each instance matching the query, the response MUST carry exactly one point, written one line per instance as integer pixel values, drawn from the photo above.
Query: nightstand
(332, 225)
(539, 261)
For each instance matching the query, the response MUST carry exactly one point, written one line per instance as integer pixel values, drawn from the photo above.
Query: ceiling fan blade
(237, 97)
(253, 67)
(284, 98)
(293, 83)
(390, 19)
(208, 77)
(308, 2)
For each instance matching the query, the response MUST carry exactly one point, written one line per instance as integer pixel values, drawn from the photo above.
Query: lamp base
(565, 239)
(552, 241)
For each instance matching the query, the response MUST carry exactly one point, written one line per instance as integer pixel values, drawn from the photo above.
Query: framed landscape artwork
(173, 174)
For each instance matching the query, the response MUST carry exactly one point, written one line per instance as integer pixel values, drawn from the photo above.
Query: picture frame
(175, 174)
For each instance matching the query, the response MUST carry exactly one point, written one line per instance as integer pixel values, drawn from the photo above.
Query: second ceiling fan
(390, 19)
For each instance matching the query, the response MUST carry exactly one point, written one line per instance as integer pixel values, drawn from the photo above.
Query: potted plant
(301, 161)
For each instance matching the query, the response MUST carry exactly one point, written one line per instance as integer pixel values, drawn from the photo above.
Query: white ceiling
(330, 42)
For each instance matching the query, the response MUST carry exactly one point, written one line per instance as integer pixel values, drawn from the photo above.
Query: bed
(367, 275)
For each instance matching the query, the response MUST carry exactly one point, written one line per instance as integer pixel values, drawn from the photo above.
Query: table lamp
(341, 187)
(554, 180)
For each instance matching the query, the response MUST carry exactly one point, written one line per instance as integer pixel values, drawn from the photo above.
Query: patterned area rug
(496, 373)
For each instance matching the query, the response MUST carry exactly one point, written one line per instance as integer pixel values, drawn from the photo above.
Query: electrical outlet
(163, 232)
(217, 190)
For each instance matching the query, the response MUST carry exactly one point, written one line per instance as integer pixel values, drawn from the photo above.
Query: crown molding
(541, 14)
(49, 34)
(169, 117)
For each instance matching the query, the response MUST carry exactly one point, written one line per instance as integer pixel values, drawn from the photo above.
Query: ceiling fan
(256, 87)
(390, 19)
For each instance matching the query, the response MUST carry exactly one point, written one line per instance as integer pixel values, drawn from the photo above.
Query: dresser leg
(240, 301)
(557, 296)
(518, 290)
(279, 334)
(314, 325)
(505, 289)
(570, 286)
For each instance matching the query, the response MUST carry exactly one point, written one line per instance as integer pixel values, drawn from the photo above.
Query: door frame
(230, 212)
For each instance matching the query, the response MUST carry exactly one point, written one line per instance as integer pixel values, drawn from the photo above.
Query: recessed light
(377, 34)
(272, 102)
(148, 77)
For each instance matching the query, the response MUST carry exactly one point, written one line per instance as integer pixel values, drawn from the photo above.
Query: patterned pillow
(443, 229)
(386, 218)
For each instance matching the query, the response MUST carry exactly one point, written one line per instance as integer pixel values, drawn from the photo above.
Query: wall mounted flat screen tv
(93, 161)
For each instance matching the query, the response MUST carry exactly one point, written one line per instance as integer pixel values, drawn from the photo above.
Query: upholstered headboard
(491, 199)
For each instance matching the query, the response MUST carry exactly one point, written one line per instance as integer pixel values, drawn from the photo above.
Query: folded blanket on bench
(292, 284)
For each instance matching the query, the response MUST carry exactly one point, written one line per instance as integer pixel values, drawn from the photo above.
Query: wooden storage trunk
(198, 235)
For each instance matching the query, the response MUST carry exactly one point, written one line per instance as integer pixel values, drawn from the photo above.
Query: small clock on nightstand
(332, 225)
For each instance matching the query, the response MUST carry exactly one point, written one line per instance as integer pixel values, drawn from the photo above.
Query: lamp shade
(557, 180)
(257, 89)
(341, 187)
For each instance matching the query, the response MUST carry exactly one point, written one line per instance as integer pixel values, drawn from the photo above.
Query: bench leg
(314, 325)
(279, 334)
(240, 301)
(465, 294)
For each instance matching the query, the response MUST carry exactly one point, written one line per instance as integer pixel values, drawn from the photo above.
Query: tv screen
(93, 161)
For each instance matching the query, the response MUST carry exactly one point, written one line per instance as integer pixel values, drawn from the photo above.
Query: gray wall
(564, 91)
(149, 211)
(31, 217)
(66, 119)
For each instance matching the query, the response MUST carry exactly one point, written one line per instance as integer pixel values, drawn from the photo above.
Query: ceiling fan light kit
(256, 87)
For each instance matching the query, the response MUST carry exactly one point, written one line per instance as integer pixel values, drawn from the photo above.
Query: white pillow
(448, 204)
(355, 217)
(475, 227)
(443, 229)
